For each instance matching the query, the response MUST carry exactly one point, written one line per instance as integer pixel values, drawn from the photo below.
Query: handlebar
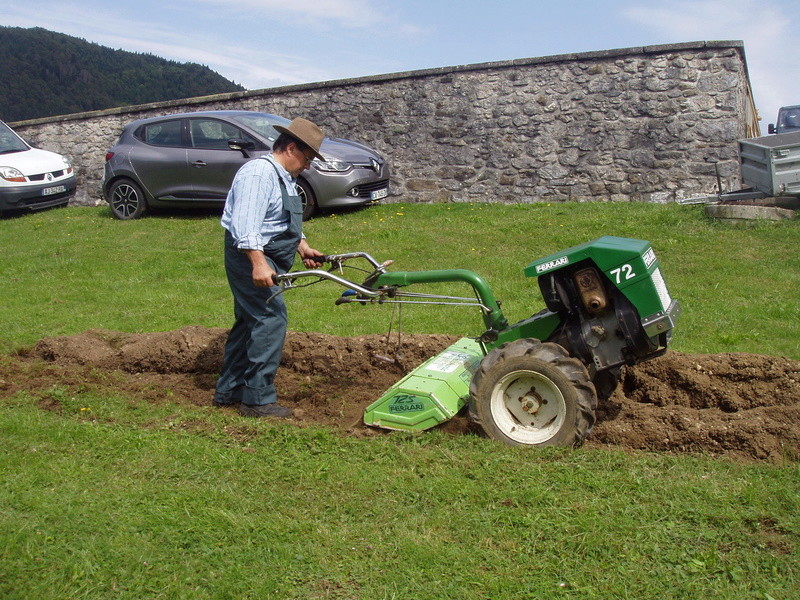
(337, 259)
(382, 287)
(286, 280)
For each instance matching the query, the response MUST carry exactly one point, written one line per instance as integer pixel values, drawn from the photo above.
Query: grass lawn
(138, 500)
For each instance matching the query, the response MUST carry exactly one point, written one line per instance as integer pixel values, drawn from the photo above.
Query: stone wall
(636, 124)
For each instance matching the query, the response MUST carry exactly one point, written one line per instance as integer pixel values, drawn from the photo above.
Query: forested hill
(43, 73)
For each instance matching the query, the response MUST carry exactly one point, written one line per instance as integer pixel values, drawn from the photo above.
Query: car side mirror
(771, 128)
(241, 145)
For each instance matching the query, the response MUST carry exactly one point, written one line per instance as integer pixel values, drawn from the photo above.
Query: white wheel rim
(528, 407)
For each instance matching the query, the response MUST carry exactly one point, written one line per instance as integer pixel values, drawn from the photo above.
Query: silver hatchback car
(189, 160)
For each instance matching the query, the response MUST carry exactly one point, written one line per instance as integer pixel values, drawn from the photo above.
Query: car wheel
(126, 200)
(308, 199)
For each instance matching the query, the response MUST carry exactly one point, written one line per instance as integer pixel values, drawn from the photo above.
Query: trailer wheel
(532, 393)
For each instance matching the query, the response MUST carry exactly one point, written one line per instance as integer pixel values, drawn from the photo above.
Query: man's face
(298, 161)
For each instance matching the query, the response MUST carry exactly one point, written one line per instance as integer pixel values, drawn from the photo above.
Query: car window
(9, 141)
(262, 124)
(163, 133)
(213, 134)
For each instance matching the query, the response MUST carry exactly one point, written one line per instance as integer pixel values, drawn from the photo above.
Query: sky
(268, 43)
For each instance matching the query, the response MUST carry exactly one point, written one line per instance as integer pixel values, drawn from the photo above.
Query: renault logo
(49, 176)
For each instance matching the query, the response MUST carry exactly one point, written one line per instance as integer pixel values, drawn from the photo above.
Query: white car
(31, 179)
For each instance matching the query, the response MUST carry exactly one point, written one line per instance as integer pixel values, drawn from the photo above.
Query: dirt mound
(738, 405)
(734, 405)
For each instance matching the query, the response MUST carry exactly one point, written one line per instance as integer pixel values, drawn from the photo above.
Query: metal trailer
(770, 165)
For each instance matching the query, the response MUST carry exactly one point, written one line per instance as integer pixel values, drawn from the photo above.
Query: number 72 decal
(622, 273)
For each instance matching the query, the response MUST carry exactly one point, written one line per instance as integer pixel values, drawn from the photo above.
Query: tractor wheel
(532, 393)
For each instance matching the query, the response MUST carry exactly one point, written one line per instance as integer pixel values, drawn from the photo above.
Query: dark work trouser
(255, 342)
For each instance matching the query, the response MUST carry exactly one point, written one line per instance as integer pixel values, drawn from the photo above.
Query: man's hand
(263, 273)
(308, 254)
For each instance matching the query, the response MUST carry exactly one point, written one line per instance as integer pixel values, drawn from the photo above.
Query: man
(263, 219)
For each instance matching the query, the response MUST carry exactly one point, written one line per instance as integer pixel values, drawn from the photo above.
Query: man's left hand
(308, 254)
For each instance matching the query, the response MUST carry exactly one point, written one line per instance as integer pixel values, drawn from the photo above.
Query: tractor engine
(600, 326)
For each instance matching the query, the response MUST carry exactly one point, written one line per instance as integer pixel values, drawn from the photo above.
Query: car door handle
(199, 163)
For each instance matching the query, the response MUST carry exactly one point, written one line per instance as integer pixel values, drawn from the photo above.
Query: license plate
(378, 194)
(54, 190)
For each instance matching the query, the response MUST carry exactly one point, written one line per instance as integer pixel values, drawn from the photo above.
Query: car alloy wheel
(126, 200)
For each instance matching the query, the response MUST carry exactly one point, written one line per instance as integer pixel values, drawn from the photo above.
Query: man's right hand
(263, 273)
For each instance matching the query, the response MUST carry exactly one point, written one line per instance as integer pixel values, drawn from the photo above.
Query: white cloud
(251, 67)
(768, 30)
(351, 14)
(707, 16)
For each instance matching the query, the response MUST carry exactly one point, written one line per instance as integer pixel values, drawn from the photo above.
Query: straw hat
(305, 131)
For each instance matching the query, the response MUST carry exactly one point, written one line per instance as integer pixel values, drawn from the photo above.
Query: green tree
(45, 73)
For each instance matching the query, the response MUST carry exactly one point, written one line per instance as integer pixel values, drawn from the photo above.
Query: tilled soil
(739, 406)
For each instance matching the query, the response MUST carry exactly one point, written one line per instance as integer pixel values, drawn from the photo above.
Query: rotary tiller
(535, 382)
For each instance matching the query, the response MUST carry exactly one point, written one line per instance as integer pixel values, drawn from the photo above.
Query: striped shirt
(254, 208)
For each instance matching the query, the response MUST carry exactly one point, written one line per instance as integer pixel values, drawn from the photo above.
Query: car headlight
(12, 174)
(331, 165)
(67, 164)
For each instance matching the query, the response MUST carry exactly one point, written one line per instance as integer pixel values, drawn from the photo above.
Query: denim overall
(255, 342)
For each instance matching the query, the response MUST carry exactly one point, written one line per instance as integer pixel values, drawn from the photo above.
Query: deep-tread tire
(559, 395)
(126, 200)
(308, 199)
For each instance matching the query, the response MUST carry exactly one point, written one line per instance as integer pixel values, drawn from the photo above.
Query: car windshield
(262, 124)
(789, 119)
(10, 141)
